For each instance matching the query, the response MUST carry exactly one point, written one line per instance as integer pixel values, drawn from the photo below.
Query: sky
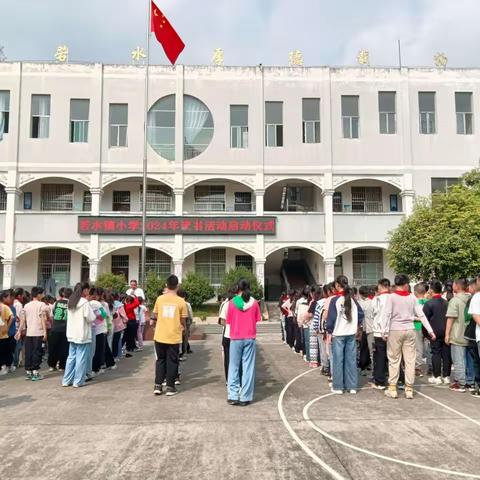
(327, 32)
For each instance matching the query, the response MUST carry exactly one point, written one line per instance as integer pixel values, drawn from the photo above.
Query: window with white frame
(197, 127)
(441, 185)
(274, 124)
(350, 116)
(426, 105)
(121, 201)
(159, 198)
(367, 199)
(157, 262)
(79, 112)
(40, 125)
(387, 112)
(56, 196)
(464, 111)
(311, 120)
(367, 266)
(87, 201)
(211, 263)
(209, 198)
(161, 127)
(118, 122)
(54, 268)
(238, 126)
(3, 198)
(243, 202)
(4, 111)
(244, 261)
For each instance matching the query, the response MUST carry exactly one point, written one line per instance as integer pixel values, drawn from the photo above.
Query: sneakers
(391, 391)
(418, 372)
(177, 381)
(470, 388)
(455, 387)
(446, 380)
(409, 392)
(171, 391)
(29, 375)
(51, 369)
(313, 365)
(4, 370)
(352, 392)
(435, 380)
(36, 377)
(113, 367)
(157, 390)
(476, 393)
(378, 387)
(128, 355)
(363, 373)
(337, 392)
(233, 402)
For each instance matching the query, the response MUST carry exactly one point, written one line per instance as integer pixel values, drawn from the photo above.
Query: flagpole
(145, 151)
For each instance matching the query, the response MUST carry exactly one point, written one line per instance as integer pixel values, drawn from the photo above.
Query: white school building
(295, 172)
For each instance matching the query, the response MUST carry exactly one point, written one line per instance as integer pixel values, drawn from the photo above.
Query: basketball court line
(335, 474)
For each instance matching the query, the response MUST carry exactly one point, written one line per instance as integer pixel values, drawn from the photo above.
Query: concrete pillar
(96, 199)
(178, 193)
(329, 269)
(328, 209)
(9, 269)
(408, 197)
(178, 269)
(260, 271)
(259, 202)
(94, 266)
(9, 261)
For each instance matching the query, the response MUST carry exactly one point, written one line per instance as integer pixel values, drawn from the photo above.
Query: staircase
(297, 274)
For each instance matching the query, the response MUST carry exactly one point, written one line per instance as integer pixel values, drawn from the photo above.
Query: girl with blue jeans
(344, 318)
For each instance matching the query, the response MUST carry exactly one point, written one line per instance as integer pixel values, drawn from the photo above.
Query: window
(121, 201)
(27, 200)
(197, 127)
(211, 263)
(54, 269)
(441, 185)
(350, 116)
(209, 198)
(238, 126)
(87, 201)
(297, 199)
(4, 111)
(311, 120)
(56, 196)
(244, 261)
(426, 105)
(367, 199)
(3, 198)
(243, 201)
(79, 109)
(120, 265)
(161, 127)
(337, 202)
(387, 112)
(118, 124)
(159, 198)
(84, 269)
(274, 124)
(157, 262)
(40, 127)
(338, 267)
(367, 266)
(394, 202)
(463, 108)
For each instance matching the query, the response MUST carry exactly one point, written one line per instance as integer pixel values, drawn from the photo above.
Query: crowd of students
(82, 333)
(392, 332)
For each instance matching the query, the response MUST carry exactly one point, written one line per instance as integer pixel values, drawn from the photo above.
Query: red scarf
(437, 295)
(371, 297)
(402, 293)
(340, 293)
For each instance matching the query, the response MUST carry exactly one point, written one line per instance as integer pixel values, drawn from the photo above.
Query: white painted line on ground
(377, 455)
(460, 414)
(297, 439)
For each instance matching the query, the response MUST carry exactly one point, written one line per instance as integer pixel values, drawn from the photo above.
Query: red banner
(177, 225)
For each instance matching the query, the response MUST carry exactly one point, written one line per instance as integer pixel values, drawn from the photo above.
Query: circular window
(197, 127)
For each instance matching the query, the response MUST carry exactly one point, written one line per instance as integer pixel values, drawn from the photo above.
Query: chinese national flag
(172, 44)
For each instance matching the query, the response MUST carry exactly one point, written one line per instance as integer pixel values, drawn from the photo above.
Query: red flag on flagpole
(167, 36)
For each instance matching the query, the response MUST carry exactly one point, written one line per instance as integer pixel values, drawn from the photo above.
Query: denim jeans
(459, 358)
(344, 363)
(78, 364)
(306, 342)
(469, 367)
(241, 387)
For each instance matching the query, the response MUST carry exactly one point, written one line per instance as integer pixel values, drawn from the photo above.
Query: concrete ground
(116, 429)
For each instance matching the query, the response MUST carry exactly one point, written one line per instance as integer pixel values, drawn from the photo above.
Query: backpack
(471, 326)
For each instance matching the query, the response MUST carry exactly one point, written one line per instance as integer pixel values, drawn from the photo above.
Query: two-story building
(335, 156)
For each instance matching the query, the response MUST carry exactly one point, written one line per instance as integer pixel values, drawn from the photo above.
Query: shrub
(198, 288)
(155, 286)
(234, 275)
(110, 281)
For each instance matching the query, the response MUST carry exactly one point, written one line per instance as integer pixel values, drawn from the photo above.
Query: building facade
(335, 155)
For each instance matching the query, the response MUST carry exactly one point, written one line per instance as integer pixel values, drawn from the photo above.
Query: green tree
(234, 275)
(198, 288)
(110, 281)
(154, 287)
(440, 238)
